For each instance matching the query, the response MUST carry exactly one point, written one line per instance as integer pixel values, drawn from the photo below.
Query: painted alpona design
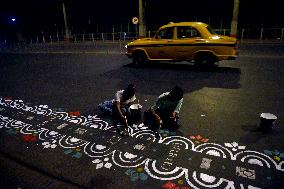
(165, 158)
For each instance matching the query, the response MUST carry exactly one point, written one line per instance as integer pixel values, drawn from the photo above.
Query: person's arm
(117, 111)
(157, 117)
(179, 104)
(177, 109)
(117, 106)
(153, 110)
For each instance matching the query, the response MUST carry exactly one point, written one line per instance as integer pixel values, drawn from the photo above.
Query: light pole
(67, 36)
(142, 27)
(234, 23)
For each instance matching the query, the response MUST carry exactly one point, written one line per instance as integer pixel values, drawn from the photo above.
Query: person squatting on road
(165, 111)
(119, 106)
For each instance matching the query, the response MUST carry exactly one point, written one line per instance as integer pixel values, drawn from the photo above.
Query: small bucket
(267, 121)
(135, 112)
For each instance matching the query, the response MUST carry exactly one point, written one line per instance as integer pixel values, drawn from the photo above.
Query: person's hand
(173, 115)
(158, 120)
(124, 120)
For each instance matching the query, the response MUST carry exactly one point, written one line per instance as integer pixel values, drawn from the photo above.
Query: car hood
(139, 41)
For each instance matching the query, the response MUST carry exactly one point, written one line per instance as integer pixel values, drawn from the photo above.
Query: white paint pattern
(232, 151)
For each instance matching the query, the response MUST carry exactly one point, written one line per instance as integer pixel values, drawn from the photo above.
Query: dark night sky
(47, 14)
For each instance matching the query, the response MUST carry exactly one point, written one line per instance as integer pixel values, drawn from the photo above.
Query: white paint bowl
(267, 121)
(135, 112)
(135, 107)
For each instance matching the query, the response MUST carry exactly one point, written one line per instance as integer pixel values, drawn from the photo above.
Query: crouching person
(119, 106)
(164, 113)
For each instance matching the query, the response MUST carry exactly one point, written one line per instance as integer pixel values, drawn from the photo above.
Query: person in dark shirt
(164, 113)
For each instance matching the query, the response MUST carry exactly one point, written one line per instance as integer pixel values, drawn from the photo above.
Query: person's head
(176, 93)
(128, 92)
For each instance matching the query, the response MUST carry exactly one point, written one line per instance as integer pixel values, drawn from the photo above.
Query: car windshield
(211, 30)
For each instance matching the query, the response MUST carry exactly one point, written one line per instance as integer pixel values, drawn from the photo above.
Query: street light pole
(67, 37)
(142, 27)
(234, 23)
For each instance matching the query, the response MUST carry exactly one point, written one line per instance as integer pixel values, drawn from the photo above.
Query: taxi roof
(171, 24)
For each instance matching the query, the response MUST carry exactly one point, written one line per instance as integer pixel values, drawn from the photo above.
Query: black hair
(129, 91)
(177, 93)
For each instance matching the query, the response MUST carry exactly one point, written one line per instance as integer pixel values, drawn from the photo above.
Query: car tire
(139, 58)
(205, 60)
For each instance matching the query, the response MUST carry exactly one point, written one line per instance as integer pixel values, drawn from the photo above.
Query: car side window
(166, 33)
(187, 32)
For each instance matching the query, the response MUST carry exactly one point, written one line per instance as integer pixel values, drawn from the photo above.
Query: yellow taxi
(183, 41)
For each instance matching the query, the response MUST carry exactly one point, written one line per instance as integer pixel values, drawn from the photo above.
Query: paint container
(267, 121)
(135, 112)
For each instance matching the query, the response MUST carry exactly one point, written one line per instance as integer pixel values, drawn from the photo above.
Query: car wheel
(139, 58)
(205, 60)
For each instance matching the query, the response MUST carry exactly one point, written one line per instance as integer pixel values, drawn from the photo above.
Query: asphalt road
(221, 104)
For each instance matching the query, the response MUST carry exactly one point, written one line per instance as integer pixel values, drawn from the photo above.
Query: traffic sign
(135, 20)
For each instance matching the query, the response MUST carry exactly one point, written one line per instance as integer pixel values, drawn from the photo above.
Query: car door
(187, 41)
(162, 46)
